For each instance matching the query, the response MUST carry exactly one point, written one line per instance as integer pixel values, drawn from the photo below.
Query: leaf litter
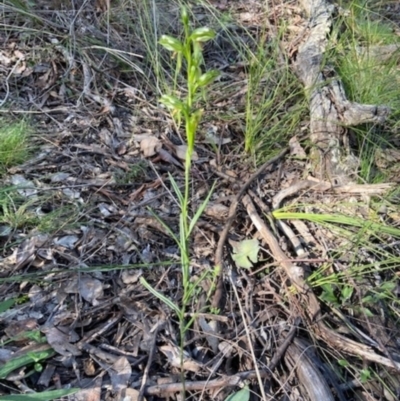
(79, 314)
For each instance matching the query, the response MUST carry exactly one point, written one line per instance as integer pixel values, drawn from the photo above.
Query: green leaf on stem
(165, 225)
(200, 210)
(197, 53)
(176, 189)
(160, 296)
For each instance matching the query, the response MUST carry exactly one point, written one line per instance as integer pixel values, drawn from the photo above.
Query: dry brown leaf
(68, 241)
(120, 372)
(150, 221)
(211, 331)
(167, 157)
(181, 153)
(106, 137)
(90, 289)
(131, 276)
(174, 358)
(25, 253)
(132, 395)
(60, 339)
(217, 210)
(27, 187)
(90, 390)
(150, 146)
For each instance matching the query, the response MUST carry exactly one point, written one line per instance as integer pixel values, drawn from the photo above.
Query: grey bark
(330, 110)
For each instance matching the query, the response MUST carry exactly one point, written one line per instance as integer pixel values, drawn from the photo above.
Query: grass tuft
(365, 50)
(14, 143)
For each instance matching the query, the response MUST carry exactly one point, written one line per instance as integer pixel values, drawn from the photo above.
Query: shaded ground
(89, 201)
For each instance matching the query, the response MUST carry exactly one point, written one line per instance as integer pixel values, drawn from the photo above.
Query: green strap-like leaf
(24, 360)
(44, 396)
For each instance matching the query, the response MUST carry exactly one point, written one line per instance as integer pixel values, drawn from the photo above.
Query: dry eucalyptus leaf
(174, 358)
(26, 251)
(59, 177)
(120, 372)
(131, 276)
(90, 289)
(27, 187)
(167, 157)
(150, 146)
(211, 333)
(181, 153)
(68, 241)
(60, 339)
(217, 210)
(132, 395)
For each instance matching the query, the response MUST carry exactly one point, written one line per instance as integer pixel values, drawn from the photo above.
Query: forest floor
(293, 290)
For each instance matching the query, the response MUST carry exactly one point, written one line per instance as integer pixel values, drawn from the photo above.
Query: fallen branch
(330, 110)
(314, 316)
(233, 380)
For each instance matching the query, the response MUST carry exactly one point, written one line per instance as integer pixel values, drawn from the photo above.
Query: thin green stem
(188, 50)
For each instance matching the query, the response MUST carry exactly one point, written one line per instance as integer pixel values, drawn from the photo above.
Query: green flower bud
(197, 53)
(171, 102)
(185, 16)
(203, 34)
(207, 78)
(171, 43)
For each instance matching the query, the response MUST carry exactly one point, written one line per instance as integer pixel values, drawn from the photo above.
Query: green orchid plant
(188, 53)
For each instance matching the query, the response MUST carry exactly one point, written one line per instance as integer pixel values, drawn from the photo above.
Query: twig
(233, 380)
(283, 347)
(250, 343)
(149, 361)
(296, 276)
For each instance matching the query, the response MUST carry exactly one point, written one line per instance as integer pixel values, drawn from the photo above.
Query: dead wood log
(330, 111)
(308, 374)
